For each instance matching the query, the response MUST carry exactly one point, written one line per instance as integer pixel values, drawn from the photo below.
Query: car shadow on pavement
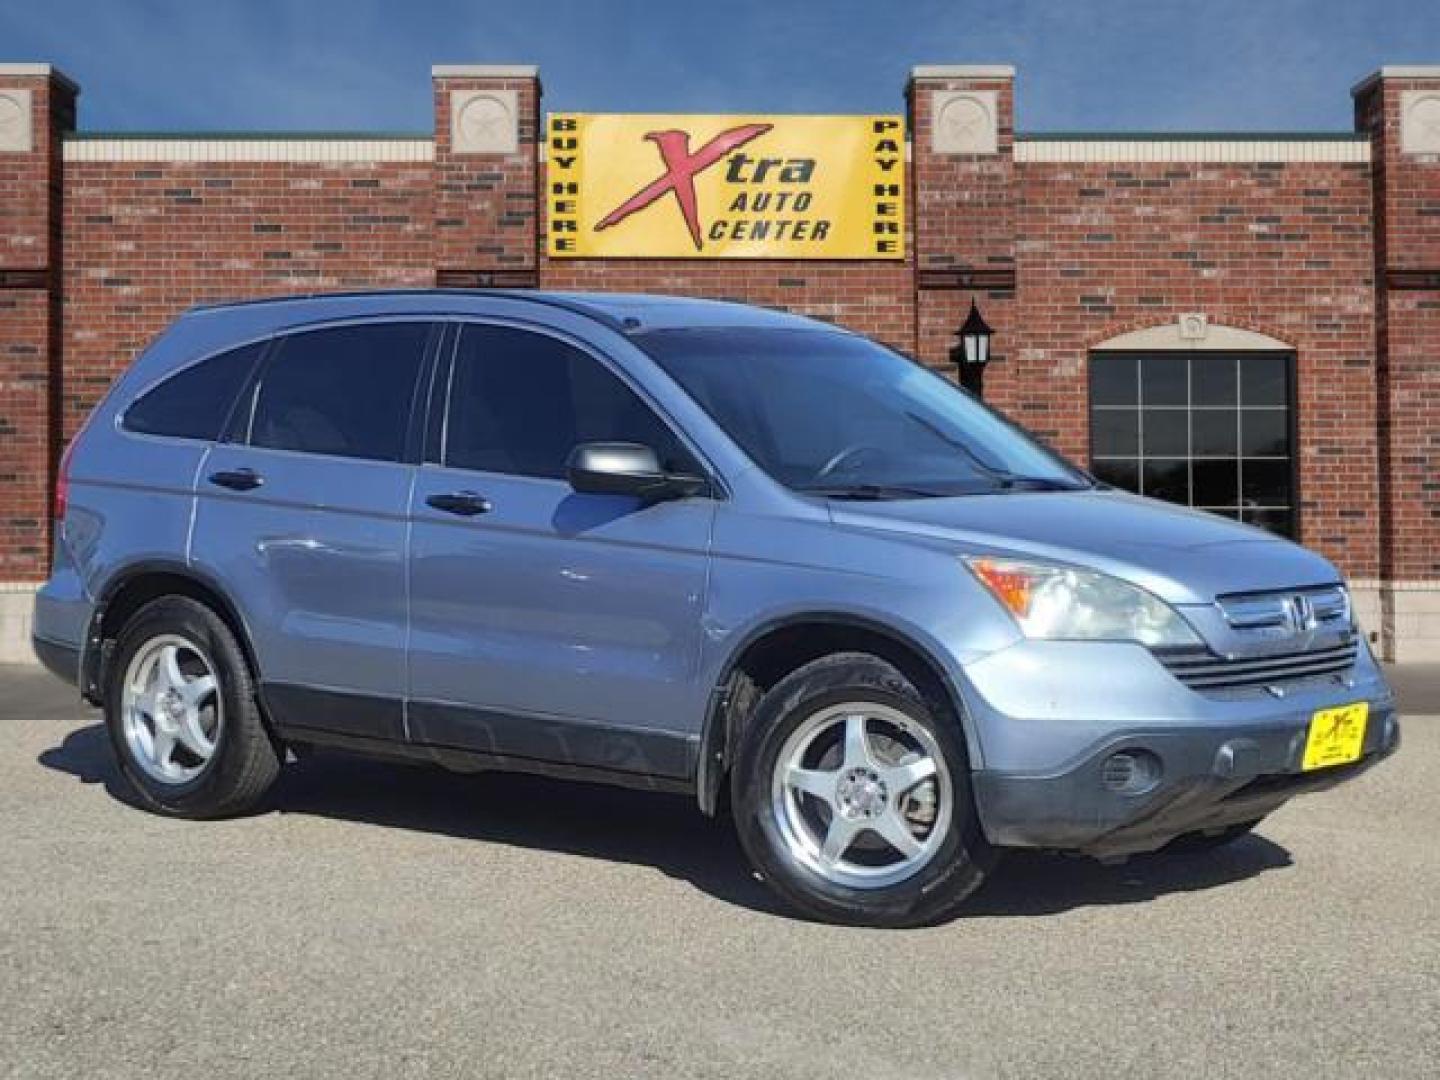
(660, 830)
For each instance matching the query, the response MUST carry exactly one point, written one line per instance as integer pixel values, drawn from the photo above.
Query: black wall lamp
(972, 352)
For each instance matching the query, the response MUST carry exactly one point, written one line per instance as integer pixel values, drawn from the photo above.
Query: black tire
(1197, 843)
(245, 761)
(962, 856)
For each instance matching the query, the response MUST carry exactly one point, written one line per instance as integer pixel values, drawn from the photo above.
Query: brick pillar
(37, 105)
(487, 122)
(963, 206)
(1400, 108)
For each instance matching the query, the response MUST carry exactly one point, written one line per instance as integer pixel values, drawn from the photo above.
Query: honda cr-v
(685, 546)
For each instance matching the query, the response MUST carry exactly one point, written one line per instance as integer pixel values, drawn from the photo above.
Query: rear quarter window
(194, 403)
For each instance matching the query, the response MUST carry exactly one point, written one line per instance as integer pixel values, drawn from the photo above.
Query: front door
(546, 624)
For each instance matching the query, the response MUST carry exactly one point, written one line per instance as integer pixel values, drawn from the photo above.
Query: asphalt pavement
(394, 921)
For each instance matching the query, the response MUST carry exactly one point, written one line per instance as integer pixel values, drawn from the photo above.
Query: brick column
(37, 105)
(963, 206)
(487, 122)
(1400, 108)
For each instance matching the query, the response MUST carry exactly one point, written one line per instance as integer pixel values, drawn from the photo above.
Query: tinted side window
(193, 403)
(345, 392)
(520, 402)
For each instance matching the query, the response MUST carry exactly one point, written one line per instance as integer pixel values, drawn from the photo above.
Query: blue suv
(687, 546)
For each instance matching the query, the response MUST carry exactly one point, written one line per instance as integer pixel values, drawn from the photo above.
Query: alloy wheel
(171, 711)
(861, 795)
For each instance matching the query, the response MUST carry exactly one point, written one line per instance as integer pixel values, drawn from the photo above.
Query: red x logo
(681, 168)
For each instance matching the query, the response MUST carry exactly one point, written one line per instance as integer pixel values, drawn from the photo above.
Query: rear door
(301, 518)
(548, 624)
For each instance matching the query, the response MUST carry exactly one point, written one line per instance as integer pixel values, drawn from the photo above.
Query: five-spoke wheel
(862, 794)
(183, 714)
(170, 709)
(852, 798)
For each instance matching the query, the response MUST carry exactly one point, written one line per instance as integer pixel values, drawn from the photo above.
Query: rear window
(193, 403)
(344, 392)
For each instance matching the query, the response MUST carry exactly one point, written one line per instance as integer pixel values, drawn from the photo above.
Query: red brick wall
(25, 433)
(1407, 205)
(1282, 249)
(30, 196)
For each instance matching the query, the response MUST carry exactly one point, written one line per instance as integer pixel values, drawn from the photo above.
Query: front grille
(1292, 611)
(1201, 669)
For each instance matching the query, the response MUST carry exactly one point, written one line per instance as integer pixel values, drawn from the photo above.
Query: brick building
(1246, 323)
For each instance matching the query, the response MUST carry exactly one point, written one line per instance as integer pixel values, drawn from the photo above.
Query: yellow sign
(1337, 736)
(729, 187)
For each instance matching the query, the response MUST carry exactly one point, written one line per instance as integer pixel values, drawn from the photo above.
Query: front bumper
(1210, 778)
(1215, 760)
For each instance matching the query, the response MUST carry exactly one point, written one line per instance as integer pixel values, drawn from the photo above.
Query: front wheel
(852, 797)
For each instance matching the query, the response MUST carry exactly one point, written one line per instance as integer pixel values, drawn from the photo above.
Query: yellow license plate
(1336, 736)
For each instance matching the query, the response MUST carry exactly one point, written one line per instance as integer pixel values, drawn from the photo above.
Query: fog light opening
(1131, 772)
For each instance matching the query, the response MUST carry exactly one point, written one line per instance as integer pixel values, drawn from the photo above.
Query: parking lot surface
(388, 921)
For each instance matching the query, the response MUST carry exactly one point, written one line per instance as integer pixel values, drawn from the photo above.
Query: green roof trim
(250, 136)
(1191, 136)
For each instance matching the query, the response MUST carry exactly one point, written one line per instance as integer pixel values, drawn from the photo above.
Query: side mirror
(620, 468)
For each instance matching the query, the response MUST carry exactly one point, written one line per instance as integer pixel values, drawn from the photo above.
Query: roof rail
(534, 296)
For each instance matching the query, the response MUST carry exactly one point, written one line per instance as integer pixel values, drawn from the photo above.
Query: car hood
(1184, 556)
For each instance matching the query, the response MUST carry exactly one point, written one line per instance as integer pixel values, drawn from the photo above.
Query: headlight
(1059, 603)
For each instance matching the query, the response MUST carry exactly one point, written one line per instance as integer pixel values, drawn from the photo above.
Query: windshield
(836, 414)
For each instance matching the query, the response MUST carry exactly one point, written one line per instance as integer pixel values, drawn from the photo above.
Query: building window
(1210, 430)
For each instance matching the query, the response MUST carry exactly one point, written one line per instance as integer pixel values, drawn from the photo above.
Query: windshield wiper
(1005, 481)
(871, 492)
(1011, 482)
(958, 444)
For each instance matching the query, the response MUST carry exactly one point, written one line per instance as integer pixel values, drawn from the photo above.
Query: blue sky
(364, 64)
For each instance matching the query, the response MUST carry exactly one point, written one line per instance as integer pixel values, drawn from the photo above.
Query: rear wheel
(182, 713)
(852, 797)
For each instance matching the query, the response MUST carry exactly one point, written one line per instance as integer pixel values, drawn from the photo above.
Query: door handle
(237, 479)
(464, 503)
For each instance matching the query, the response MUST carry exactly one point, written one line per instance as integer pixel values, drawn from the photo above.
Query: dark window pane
(194, 403)
(1221, 511)
(1265, 433)
(1113, 380)
(1263, 380)
(1217, 483)
(1122, 474)
(520, 402)
(1168, 479)
(1207, 449)
(1115, 432)
(1165, 432)
(1213, 433)
(344, 392)
(1277, 521)
(1162, 380)
(1212, 381)
(1265, 483)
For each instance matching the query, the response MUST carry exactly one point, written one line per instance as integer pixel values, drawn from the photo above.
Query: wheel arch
(130, 589)
(772, 649)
